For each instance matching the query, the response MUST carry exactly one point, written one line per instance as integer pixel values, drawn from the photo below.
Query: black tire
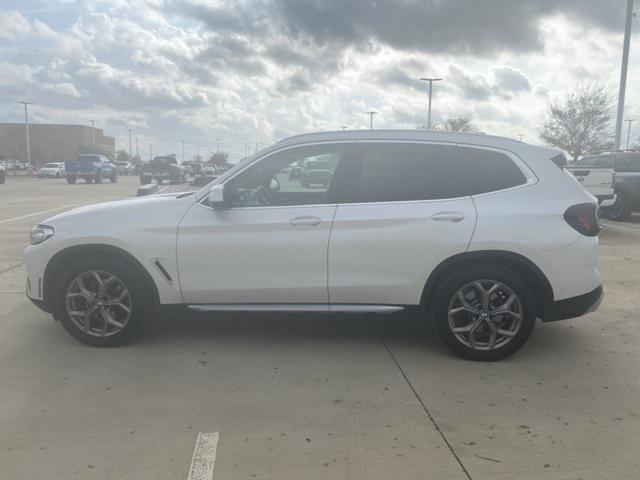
(114, 178)
(2, 178)
(141, 299)
(620, 210)
(57, 174)
(98, 178)
(71, 179)
(459, 279)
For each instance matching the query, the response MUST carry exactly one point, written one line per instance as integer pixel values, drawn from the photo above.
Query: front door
(269, 246)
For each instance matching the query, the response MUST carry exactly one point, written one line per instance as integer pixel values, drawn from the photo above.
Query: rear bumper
(573, 307)
(606, 200)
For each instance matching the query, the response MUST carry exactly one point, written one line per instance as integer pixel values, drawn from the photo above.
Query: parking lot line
(204, 457)
(7, 220)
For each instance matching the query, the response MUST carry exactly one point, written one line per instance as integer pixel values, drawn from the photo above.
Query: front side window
(396, 172)
(298, 176)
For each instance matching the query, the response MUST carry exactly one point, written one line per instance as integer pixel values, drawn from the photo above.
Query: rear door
(407, 207)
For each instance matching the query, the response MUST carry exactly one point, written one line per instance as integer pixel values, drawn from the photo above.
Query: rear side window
(396, 172)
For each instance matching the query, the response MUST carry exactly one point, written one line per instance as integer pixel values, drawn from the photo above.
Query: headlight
(40, 233)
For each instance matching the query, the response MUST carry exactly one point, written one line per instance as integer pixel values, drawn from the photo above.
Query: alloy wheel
(98, 303)
(485, 314)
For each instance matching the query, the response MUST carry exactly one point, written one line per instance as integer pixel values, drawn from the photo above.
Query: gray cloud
(509, 79)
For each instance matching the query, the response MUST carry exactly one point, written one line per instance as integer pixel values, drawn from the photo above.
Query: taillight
(583, 218)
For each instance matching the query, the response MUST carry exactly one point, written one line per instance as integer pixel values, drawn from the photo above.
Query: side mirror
(216, 196)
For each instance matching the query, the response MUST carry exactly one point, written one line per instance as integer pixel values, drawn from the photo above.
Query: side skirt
(288, 307)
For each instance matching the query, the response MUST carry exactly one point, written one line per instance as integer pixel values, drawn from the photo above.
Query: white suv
(483, 234)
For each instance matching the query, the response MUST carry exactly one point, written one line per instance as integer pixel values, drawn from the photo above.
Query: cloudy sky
(248, 71)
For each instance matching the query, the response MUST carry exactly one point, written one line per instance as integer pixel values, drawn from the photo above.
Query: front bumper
(573, 307)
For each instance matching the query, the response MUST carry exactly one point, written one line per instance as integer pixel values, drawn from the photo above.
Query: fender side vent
(162, 270)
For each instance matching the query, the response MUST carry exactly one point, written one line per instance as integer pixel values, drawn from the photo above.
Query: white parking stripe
(7, 220)
(204, 457)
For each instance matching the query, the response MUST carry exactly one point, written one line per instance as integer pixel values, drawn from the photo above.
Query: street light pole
(623, 72)
(93, 135)
(137, 151)
(630, 121)
(371, 114)
(218, 145)
(130, 150)
(26, 127)
(430, 80)
(182, 151)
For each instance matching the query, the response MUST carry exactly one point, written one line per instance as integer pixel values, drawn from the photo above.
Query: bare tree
(582, 122)
(459, 123)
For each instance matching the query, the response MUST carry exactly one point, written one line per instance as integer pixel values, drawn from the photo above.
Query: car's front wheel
(101, 301)
(484, 312)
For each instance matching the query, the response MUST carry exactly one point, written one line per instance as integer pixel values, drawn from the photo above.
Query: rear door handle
(454, 217)
(307, 221)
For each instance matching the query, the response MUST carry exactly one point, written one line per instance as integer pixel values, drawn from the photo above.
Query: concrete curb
(147, 189)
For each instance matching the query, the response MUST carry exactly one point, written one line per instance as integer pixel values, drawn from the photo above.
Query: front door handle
(306, 221)
(454, 217)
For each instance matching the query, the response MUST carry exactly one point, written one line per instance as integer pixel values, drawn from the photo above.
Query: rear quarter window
(404, 172)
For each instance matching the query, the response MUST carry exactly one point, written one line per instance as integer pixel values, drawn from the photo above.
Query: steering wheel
(262, 195)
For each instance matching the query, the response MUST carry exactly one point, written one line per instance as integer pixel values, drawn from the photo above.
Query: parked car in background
(316, 172)
(480, 234)
(295, 173)
(626, 165)
(124, 168)
(193, 168)
(53, 169)
(163, 168)
(91, 168)
(3, 174)
(21, 166)
(202, 180)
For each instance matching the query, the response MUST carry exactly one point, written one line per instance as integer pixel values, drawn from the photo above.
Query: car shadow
(404, 331)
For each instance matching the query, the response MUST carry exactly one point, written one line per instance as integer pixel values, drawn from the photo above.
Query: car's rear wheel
(101, 301)
(484, 312)
(71, 179)
(98, 178)
(114, 177)
(2, 177)
(620, 210)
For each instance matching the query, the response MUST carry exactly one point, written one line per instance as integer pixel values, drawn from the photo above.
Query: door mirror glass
(216, 196)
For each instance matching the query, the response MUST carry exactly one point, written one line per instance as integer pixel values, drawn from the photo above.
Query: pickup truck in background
(91, 168)
(599, 182)
(626, 165)
(163, 168)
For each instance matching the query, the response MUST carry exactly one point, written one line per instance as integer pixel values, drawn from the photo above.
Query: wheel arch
(59, 260)
(525, 268)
